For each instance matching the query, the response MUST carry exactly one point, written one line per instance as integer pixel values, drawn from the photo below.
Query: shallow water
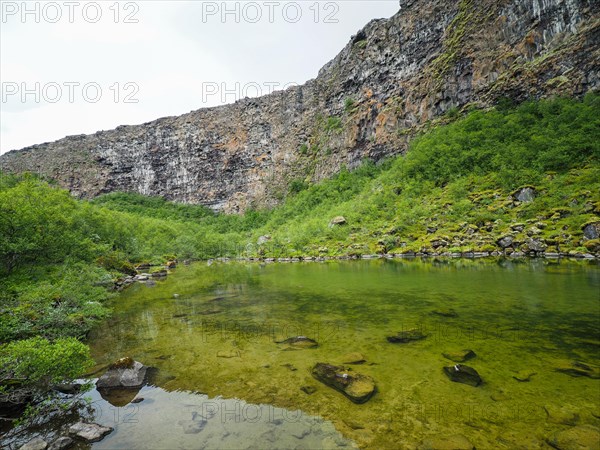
(218, 337)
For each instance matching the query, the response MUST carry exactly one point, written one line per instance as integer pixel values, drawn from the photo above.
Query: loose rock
(357, 387)
(89, 432)
(460, 355)
(460, 373)
(353, 358)
(35, 444)
(124, 373)
(524, 375)
(585, 437)
(299, 342)
(456, 442)
(579, 369)
(61, 443)
(404, 337)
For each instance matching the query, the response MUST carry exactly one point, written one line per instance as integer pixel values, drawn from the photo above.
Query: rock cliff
(395, 77)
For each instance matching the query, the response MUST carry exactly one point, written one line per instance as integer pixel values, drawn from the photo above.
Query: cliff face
(394, 77)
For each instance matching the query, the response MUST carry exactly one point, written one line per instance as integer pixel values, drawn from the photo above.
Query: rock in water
(456, 442)
(353, 358)
(403, 337)
(460, 355)
(61, 443)
(444, 312)
(357, 387)
(35, 444)
(124, 373)
(524, 375)
(89, 432)
(299, 342)
(460, 373)
(579, 369)
(585, 437)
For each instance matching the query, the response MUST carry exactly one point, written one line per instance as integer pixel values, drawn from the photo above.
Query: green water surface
(213, 328)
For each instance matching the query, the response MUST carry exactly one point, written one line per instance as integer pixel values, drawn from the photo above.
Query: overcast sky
(73, 67)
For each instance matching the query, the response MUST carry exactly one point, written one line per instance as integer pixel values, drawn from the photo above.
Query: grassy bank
(523, 180)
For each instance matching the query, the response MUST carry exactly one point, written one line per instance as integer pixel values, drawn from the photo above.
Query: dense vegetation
(453, 192)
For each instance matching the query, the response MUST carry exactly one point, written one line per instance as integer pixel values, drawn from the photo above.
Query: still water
(212, 333)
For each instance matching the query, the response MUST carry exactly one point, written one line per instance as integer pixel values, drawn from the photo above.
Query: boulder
(353, 358)
(124, 373)
(535, 245)
(339, 220)
(35, 444)
(585, 437)
(89, 432)
(68, 388)
(403, 337)
(299, 342)
(357, 387)
(308, 389)
(444, 312)
(578, 369)
(460, 373)
(505, 241)
(591, 230)
(61, 443)
(456, 442)
(459, 355)
(263, 239)
(525, 195)
(524, 375)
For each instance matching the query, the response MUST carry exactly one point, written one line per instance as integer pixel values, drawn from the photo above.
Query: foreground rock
(584, 437)
(89, 432)
(459, 355)
(357, 387)
(578, 369)
(124, 373)
(404, 337)
(353, 358)
(299, 342)
(61, 443)
(35, 444)
(456, 442)
(460, 373)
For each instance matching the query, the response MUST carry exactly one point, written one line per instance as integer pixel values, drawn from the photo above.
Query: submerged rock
(353, 358)
(89, 432)
(308, 389)
(577, 438)
(459, 355)
(403, 337)
(456, 442)
(229, 354)
(68, 388)
(445, 312)
(579, 369)
(61, 443)
(357, 387)
(460, 373)
(35, 444)
(124, 373)
(524, 375)
(299, 342)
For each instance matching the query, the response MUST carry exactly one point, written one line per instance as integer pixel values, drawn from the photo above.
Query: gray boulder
(61, 443)
(35, 444)
(525, 195)
(124, 373)
(89, 432)
(591, 230)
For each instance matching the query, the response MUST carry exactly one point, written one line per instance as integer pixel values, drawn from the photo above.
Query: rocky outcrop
(394, 76)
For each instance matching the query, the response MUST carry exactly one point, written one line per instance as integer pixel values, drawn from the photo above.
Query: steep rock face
(394, 77)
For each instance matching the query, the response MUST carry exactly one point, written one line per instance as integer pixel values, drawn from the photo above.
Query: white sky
(179, 56)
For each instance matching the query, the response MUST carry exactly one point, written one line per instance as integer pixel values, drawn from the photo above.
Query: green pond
(211, 330)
